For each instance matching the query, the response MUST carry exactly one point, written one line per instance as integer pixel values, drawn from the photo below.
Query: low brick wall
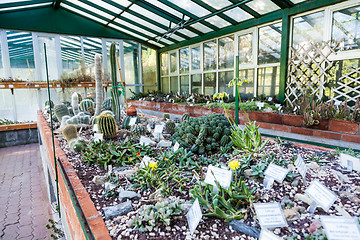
(70, 218)
(332, 129)
(18, 134)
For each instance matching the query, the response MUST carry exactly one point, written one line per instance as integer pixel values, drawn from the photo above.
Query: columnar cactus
(107, 125)
(98, 84)
(60, 110)
(75, 103)
(69, 132)
(115, 93)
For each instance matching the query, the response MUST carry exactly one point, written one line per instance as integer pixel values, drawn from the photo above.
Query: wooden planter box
(70, 218)
(18, 134)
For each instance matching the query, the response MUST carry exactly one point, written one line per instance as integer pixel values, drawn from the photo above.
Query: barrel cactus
(170, 127)
(87, 105)
(185, 117)
(107, 125)
(107, 104)
(60, 110)
(166, 116)
(69, 131)
(138, 129)
(127, 119)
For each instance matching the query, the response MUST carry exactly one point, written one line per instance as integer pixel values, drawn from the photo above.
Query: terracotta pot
(131, 111)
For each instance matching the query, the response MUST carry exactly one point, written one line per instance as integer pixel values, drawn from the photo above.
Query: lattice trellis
(308, 70)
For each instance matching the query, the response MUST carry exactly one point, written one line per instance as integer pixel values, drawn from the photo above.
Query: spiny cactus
(60, 110)
(87, 105)
(98, 84)
(177, 120)
(185, 117)
(170, 127)
(94, 120)
(73, 120)
(107, 125)
(127, 119)
(77, 144)
(49, 103)
(107, 104)
(67, 104)
(166, 116)
(83, 118)
(115, 92)
(75, 103)
(138, 129)
(69, 132)
(63, 121)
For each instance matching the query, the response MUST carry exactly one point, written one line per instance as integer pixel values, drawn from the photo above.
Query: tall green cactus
(98, 84)
(115, 92)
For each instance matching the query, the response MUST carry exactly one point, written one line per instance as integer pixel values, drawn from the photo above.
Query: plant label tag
(321, 195)
(223, 176)
(194, 216)
(50, 85)
(270, 215)
(57, 85)
(98, 136)
(37, 85)
(260, 105)
(2, 86)
(340, 228)
(95, 128)
(301, 166)
(145, 161)
(159, 128)
(11, 86)
(268, 182)
(176, 146)
(132, 121)
(148, 128)
(90, 85)
(276, 172)
(350, 162)
(79, 85)
(267, 235)
(146, 141)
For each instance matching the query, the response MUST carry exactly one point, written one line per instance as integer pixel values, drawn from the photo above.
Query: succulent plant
(170, 127)
(177, 120)
(87, 105)
(127, 119)
(77, 144)
(115, 92)
(98, 84)
(69, 131)
(49, 103)
(107, 104)
(166, 116)
(75, 103)
(185, 117)
(61, 110)
(107, 125)
(138, 129)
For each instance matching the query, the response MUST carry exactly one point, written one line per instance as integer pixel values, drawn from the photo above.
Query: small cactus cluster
(77, 144)
(166, 116)
(107, 125)
(138, 129)
(185, 117)
(177, 120)
(170, 127)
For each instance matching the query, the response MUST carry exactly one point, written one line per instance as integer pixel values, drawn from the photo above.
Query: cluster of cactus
(170, 127)
(69, 131)
(107, 125)
(149, 216)
(166, 116)
(60, 111)
(138, 129)
(177, 120)
(83, 118)
(127, 119)
(204, 134)
(107, 104)
(87, 105)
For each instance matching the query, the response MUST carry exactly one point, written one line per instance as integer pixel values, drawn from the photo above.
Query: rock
(313, 166)
(340, 176)
(147, 141)
(110, 186)
(295, 182)
(127, 173)
(164, 143)
(247, 173)
(125, 195)
(304, 198)
(291, 167)
(314, 226)
(99, 180)
(117, 210)
(342, 211)
(352, 197)
(243, 228)
(291, 214)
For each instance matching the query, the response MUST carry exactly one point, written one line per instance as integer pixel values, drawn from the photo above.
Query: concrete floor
(24, 205)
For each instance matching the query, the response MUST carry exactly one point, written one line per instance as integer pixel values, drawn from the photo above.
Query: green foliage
(57, 232)
(115, 180)
(150, 216)
(138, 129)
(229, 204)
(107, 104)
(318, 235)
(5, 121)
(316, 157)
(166, 116)
(77, 145)
(107, 125)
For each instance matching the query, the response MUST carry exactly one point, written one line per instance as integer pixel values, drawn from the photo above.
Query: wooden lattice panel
(348, 87)
(308, 70)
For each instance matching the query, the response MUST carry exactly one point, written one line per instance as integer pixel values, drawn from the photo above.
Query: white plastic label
(194, 216)
(79, 85)
(159, 128)
(95, 128)
(321, 195)
(276, 172)
(176, 146)
(350, 162)
(301, 166)
(2, 86)
(98, 136)
(132, 121)
(221, 175)
(340, 228)
(270, 215)
(145, 161)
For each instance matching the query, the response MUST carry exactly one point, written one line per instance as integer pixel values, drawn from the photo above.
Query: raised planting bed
(176, 174)
(331, 129)
(18, 134)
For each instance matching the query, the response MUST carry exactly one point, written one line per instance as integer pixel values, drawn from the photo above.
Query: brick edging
(94, 218)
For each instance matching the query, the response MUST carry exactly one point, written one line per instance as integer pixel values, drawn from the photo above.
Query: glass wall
(2, 72)
(148, 60)
(70, 54)
(50, 44)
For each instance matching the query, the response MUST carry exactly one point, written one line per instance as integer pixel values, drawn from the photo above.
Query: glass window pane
(309, 28)
(201, 27)
(174, 85)
(184, 60)
(196, 85)
(238, 14)
(224, 79)
(346, 24)
(148, 56)
(184, 84)
(270, 44)
(129, 91)
(131, 62)
(92, 46)
(217, 4)
(268, 81)
(51, 58)
(210, 55)
(21, 55)
(26, 101)
(150, 88)
(165, 85)
(164, 64)
(210, 83)
(70, 53)
(173, 64)
(247, 89)
(2, 71)
(192, 7)
(245, 48)
(226, 52)
(218, 21)
(263, 6)
(195, 58)
(6, 105)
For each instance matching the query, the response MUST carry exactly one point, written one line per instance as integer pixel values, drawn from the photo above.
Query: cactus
(69, 132)
(138, 129)
(98, 84)
(94, 120)
(185, 117)
(107, 104)
(60, 110)
(49, 103)
(77, 144)
(115, 93)
(166, 116)
(177, 120)
(107, 125)
(73, 120)
(75, 103)
(83, 118)
(170, 127)
(63, 121)
(87, 105)
(126, 121)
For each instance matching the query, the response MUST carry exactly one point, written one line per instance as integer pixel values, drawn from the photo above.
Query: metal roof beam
(247, 9)
(211, 9)
(56, 4)
(22, 4)
(283, 3)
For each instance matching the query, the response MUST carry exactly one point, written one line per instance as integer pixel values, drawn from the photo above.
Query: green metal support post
(284, 54)
(236, 90)
(158, 69)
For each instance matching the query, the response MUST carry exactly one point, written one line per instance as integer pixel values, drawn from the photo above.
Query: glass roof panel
(176, 37)
(201, 27)
(143, 22)
(263, 6)
(217, 4)
(187, 32)
(134, 27)
(191, 7)
(107, 6)
(83, 13)
(297, 1)
(149, 14)
(218, 21)
(156, 43)
(25, 6)
(165, 40)
(127, 32)
(13, 1)
(238, 14)
(166, 8)
(92, 9)
(124, 3)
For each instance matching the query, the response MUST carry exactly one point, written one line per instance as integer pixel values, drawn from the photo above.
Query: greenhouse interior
(188, 119)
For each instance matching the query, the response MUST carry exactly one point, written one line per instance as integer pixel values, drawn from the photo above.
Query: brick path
(24, 205)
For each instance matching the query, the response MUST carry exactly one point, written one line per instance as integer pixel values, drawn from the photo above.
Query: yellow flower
(234, 164)
(166, 159)
(153, 165)
(130, 159)
(221, 95)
